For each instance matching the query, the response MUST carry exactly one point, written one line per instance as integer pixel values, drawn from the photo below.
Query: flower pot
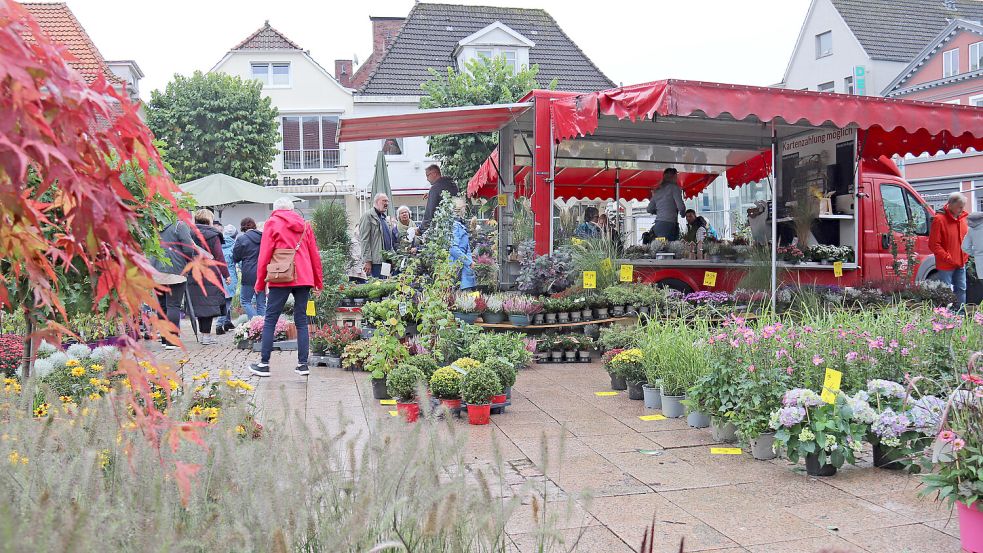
(887, 457)
(814, 469)
(618, 311)
(334, 361)
(379, 390)
(479, 414)
(575, 316)
(358, 302)
(409, 411)
(971, 527)
(244, 344)
(618, 382)
(652, 397)
(538, 319)
(570, 356)
(468, 318)
(556, 356)
(723, 431)
(635, 391)
(508, 392)
(451, 403)
(602, 312)
(644, 310)
(551, 318)
(499, 398)
(493, 318)
(672, 406)
(587, 314)
(563, 318)
(697, 419)
(762, 446)
(583, 355)
(519, 320)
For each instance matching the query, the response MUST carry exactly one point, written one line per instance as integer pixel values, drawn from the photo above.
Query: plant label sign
(393, 413)
(627, 273)
(831, 385)
(605, 394)
(590, 280)
(387, 402)
(652, 417)
(386, 270)
(710, 279)
(725, 451)
(503, 200)
(403, 309)
(837, 269)
(311, 310)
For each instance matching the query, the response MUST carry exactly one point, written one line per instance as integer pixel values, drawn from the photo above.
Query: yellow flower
(211, 414)
(73, 363)
(392, 321)
(173, 384)
(132, 425)
(245, 386)
(240, 429)
(94, 396)
(156, 395)
(103, 457)
(196, 411)
(225, 373)
(199, 388)
(144, 364)
(95, 368)
(16, 457)
(41, 410)
(126, 383)
(95, 381)
(152, 371)
(66, 399)
(183, 362)
(200, 376)
(78, 371)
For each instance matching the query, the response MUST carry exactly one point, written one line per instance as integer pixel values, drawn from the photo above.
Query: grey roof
(432, 32)
(897, 30)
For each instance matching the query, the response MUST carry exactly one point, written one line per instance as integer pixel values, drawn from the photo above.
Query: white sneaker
(208, 340)
(170, 347)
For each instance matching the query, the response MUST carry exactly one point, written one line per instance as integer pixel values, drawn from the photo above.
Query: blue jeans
(278, 297)
(957, 279)
(226, 315)
(246, 295)
(666, 229)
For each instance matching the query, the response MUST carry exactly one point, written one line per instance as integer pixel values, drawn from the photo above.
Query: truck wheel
(675, 284)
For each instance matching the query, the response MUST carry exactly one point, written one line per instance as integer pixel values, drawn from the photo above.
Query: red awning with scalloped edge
(429, 122)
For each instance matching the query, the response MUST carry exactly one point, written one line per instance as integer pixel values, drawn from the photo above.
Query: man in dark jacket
(245, 253)
(438, 185)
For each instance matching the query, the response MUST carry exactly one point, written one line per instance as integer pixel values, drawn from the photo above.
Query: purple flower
(802, 397)
(852, 356)
(886, 389)
(889, 424)
(791, 416)
(926, 414)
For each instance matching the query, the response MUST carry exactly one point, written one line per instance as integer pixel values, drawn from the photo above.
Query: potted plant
(711, 248)
(467, 306)
(332, 340)
(583, 351)
(402, 382)
(506, 376)
(826, 434)
(570, 346)
(556, 344)
(562, 310)
(550, 309)
(445, 385)
(953, 464)
(651, 389)
(679, 249)
(582, 305)
(355, 355)
(520, 308)
(618, 381)
(713, 393)
(628, 364)
(477, 388)
(600, 304)
(790, 254)
(680, 354)
(494, 309)
(384, 353)
(902, 425)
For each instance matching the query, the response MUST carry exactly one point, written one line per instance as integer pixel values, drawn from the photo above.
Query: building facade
(310, 164)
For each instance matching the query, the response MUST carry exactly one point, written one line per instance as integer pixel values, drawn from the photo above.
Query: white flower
(79, 351)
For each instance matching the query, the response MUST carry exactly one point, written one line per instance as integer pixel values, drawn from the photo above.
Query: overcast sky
(745, 42)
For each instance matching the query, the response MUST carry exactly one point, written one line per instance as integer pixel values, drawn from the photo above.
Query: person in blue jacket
(224, 322)
(461, 246)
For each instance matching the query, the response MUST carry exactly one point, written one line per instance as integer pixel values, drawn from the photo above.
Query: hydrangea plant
(805, 424)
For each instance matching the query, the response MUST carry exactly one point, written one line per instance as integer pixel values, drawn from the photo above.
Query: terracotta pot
(291, 331)
(409, 411)
(479, 414)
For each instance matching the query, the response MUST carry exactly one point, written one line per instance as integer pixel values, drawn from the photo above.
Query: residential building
(57, 20)
(310, 163)
(439, 36)
(948, 69)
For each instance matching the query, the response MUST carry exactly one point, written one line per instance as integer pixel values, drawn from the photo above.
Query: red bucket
(451, 403)
(479, 414)
(409, 411)
(499, 398)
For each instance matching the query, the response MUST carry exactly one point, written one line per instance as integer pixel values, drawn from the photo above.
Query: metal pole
(552, 176)
(774, 216)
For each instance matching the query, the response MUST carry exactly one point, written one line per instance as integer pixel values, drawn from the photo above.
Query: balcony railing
(311, 159)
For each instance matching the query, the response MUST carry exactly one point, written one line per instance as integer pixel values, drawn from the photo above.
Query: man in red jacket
(945, 240)
(286, 229)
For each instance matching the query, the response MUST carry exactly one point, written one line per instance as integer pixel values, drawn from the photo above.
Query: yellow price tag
(627, 273)
(837, 269)
(311, 311)
(660, 239)
(725, 451)
(590, 280)
(387, 402)
(607, 265)
(605, 394)
(503, 200)
(831, 385)
(393, 413)
(710, 279)
(475, 294)
(652, 417)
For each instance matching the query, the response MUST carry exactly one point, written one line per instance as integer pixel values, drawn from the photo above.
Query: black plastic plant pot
(618, 382)
(635, 391)
(379, 390)
(813, 468)
(887, 458)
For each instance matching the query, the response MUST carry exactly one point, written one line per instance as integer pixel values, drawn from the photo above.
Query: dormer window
(511, 59)
(494, 41)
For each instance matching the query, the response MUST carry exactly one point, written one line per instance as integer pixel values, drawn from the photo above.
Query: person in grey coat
(973, 243)
(666, 203)
(180, 248)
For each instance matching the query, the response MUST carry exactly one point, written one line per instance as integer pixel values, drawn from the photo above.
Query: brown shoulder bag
(283, 267)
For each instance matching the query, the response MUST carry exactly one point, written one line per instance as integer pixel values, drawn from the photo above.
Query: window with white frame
(824, 44)
(848, 85)
(950, 62)
(309, 142)
(271, 74)
(976, 101)
(976, 56)
(826, 87)
(511, 57)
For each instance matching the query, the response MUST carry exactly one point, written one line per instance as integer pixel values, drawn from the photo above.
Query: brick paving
(719, 503)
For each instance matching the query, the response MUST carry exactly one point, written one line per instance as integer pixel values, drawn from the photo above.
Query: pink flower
(958, 444)
(750, 369)
(852, 356)
(894, 343)
(947, 436)
(905, 351)
(975, 379)
(789, 370)
(817, 360)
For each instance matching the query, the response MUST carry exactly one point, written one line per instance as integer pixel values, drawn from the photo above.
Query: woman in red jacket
(286, 229)
(945, 240)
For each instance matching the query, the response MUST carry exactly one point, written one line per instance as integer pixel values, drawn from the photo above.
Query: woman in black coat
(208, 304)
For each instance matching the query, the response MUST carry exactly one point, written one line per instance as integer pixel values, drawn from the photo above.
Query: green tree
(484, 81)
(215, 123)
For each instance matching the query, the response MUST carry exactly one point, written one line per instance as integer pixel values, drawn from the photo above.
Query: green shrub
(446, 383)
(506, 371)
(510, 345)
(427, 364)
(479, 385)
(403, 380)
(619, 337)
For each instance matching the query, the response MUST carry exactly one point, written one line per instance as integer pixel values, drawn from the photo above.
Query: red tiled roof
(267, 38)
(58, 21)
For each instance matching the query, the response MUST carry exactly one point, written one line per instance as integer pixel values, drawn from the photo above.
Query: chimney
(343, 72)
(384, 31)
